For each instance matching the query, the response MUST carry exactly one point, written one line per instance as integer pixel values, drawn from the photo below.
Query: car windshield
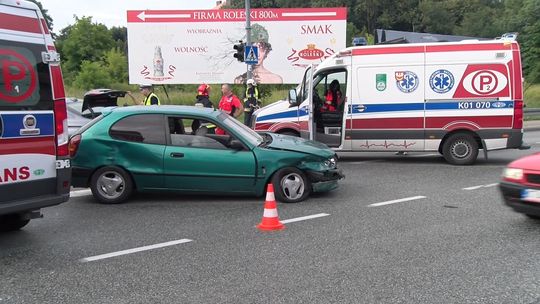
(248, 134)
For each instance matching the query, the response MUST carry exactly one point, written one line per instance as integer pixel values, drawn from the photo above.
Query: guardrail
(532, 111)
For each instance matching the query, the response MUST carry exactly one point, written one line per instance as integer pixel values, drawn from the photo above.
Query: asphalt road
(448, 239)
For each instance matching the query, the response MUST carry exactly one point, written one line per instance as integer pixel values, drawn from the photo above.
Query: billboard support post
(248, 35)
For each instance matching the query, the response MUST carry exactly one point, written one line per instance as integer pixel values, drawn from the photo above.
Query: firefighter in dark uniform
(251, 101)
(203, 97)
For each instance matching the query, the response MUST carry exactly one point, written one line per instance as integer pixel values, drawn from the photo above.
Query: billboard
(195, 46)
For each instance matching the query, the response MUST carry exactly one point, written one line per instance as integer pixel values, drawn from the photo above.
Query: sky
(112, 12)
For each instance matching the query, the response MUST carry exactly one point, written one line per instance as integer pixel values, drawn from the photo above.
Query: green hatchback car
(175, 148)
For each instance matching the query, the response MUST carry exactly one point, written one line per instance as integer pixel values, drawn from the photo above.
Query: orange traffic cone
(270, 220)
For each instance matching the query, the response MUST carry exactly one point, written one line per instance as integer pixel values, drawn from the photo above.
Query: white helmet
(251, 82)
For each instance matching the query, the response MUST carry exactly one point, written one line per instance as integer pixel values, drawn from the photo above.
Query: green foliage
(84, 41)
(116, 65)
(532, 96)
(93, 75)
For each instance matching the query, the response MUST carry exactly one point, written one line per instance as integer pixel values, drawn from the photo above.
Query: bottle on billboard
(158, 62)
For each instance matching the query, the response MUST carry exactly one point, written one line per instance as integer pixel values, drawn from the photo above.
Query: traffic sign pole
(248, 36)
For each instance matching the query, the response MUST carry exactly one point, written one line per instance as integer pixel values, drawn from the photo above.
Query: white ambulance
(454, 98)
(34, 158)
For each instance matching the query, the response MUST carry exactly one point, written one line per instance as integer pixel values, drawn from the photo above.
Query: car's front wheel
(11, 222)
(111, 185)
(291, 185)
(534, 217)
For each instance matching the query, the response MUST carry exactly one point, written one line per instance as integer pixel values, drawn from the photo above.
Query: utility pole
(248, 36)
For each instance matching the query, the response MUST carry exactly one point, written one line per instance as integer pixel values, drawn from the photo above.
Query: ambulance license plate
(530, 195)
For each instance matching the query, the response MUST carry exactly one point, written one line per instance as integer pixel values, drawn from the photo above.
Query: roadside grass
(532, 100)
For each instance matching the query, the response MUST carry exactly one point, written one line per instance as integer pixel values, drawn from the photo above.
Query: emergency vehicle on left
(34, 158)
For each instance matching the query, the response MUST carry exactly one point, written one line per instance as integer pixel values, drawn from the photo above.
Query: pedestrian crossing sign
(251, 55)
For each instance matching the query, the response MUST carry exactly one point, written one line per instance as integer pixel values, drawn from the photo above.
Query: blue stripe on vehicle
(400, 107)
(288, 114)
(12, 124)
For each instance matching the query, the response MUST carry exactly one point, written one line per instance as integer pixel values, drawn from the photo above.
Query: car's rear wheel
(460, 149)
(291, 185)
(11, 222)
(111, 185)
(535, 217)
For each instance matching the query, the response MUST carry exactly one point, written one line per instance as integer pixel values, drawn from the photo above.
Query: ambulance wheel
(12, 222)
(291, 185)
(111, 185)
(460, 149)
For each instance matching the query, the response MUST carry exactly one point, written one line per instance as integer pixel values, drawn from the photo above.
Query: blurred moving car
(520, 186)
(80, 113)
(173, 148)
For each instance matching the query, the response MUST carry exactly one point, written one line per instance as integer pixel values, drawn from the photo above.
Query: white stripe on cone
(270, 197)
(270, 213)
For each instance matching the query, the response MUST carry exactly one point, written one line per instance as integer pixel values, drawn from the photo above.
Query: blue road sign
(251, 55)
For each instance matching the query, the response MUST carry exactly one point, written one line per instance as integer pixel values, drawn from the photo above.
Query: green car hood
(297, 144)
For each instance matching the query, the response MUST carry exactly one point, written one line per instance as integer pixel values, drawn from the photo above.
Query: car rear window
(25, 82)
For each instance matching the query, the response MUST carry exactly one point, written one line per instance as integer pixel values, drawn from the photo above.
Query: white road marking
(397, 201)
(78, 193)
(480, 186)
(473, 187)
(359, 162)
(303, 218)
(134, 250)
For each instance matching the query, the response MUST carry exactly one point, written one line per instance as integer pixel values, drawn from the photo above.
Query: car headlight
(331, 163)
(513, 173)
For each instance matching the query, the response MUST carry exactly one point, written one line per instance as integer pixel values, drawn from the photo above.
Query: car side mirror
(292, 97)
(236, 145)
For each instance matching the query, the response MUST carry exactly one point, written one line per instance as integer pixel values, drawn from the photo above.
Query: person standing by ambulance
(251, 100)
(150, 98)
(229, 104)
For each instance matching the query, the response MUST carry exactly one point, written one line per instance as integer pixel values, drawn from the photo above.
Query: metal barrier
(532, 111)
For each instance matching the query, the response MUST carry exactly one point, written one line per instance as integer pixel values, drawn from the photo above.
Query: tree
(84, 41)
(119, 35)
(93, 75)
(116, 65)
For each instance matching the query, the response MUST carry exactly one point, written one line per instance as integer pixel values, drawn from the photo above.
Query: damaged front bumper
(323, 181)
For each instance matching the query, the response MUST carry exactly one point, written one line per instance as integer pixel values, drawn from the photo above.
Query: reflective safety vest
(148, 99)
(255, 91)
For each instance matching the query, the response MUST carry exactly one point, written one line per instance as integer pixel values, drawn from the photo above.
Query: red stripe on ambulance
(20, 23)
(33, 145)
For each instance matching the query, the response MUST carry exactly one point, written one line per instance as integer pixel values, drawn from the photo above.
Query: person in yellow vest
(251, 101)
(150, 98)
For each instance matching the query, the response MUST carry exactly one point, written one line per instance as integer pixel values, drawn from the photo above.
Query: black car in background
(81, 112)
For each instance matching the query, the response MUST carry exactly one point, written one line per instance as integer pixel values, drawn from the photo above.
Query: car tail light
(518, 114)
(61, 126)
(74, 144)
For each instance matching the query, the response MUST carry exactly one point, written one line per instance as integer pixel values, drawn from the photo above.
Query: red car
(520, 186)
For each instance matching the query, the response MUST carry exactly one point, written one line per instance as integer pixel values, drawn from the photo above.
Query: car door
(202, 162)
(138, 146)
